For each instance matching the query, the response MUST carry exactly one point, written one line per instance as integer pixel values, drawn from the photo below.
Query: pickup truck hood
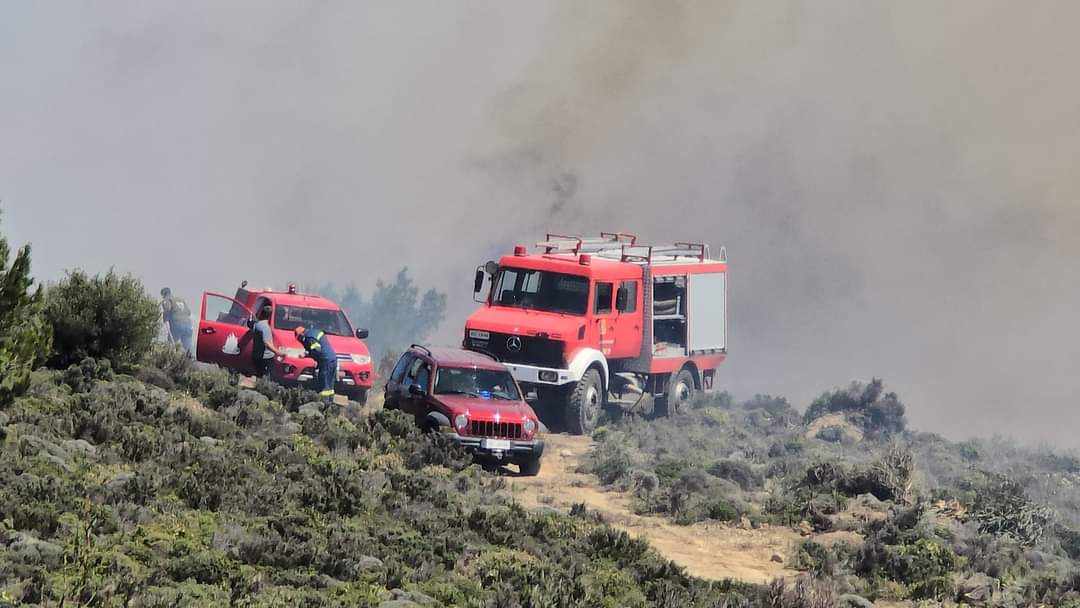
(343, 345)
(479, 408)
(525, 322)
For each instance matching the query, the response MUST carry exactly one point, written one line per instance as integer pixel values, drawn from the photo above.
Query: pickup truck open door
(223, 337)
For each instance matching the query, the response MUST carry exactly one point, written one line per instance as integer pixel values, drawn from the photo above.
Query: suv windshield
(485, 383)
(541, 290)
(330, 321)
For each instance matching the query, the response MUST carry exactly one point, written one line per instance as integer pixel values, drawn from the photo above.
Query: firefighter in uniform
(318, 347)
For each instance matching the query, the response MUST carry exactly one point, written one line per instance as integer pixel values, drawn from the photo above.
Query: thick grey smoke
(894, 181)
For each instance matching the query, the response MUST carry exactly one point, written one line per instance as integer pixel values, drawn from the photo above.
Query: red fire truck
(585, 323)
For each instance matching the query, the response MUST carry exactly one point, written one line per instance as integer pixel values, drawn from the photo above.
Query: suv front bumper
(499, 449)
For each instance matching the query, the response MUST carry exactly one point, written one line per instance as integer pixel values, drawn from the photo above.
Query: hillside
(174, 487)
(192, 492)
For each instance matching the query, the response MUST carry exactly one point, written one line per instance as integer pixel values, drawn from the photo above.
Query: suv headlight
(295, 353)
(530, 426)
(360, 359)
(460, 421)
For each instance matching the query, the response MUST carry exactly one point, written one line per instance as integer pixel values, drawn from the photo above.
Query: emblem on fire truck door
(513, 344)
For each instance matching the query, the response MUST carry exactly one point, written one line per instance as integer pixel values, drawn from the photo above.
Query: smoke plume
(894, 182)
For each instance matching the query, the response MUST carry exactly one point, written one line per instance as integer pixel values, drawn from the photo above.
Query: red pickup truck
(224, 337)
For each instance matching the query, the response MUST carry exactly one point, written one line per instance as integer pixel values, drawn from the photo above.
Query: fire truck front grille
(527, 350)
(509, 430)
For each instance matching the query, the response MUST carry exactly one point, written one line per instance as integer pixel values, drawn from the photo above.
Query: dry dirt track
(710, 551)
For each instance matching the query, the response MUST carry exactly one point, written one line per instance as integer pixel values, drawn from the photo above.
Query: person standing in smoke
(264, 349)
(177, 318)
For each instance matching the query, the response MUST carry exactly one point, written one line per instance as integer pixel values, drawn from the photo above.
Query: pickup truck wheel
(530, 467)
(680, 393)
(585, 403)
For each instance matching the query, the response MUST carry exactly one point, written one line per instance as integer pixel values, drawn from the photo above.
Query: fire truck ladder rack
(562, 243)
(651, 254)
(624, 247)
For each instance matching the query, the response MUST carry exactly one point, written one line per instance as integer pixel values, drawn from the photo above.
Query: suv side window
(419, 373)
(399, 369)
(603, 298)
(423, 376)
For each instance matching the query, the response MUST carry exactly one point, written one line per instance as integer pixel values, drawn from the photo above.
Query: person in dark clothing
(263, 349)
(318, 348)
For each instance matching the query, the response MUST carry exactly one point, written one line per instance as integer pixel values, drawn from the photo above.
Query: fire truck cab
(584, 323)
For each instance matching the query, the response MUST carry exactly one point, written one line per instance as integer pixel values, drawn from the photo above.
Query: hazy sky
(894, 182)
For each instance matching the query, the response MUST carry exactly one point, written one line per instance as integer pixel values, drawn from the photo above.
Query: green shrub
(103, 317)
(164, 365)
(737, 471)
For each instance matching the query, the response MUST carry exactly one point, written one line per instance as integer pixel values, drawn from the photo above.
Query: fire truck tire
(530, 467)
(585, 403)
(680, 393)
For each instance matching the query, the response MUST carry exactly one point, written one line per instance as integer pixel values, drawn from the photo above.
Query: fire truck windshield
(330, 321)
(541, 290)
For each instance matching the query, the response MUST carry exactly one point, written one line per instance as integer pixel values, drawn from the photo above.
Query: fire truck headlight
(460, 421)
(530, 426)
(360, 359)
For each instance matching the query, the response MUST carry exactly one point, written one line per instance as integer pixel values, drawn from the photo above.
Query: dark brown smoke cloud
(894, 181)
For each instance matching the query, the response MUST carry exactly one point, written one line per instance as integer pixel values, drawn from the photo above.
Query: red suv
(470, 397)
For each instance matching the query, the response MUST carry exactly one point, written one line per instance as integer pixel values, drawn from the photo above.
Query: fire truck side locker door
(707, 312)
(223, 333)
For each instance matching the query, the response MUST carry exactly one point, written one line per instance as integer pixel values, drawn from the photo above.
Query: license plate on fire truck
(495, 444)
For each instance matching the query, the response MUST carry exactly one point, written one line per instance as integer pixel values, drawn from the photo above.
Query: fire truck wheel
(680, 393)
(530, 467)
(585, 403)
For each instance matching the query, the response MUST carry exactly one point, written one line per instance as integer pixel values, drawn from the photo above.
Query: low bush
(867, 405)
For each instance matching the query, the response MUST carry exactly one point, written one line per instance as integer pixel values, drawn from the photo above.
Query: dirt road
(711, 551)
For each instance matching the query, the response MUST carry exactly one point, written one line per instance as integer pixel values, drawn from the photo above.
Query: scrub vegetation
(174, 487)
(886, 512)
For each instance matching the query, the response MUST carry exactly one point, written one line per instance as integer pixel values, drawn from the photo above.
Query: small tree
(110, 317)
(396, 314)
(25, 338)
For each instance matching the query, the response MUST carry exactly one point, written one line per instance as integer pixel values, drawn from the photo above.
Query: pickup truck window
(330, 321)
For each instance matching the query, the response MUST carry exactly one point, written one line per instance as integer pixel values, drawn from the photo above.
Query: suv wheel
(530, 467)
(585, 403)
